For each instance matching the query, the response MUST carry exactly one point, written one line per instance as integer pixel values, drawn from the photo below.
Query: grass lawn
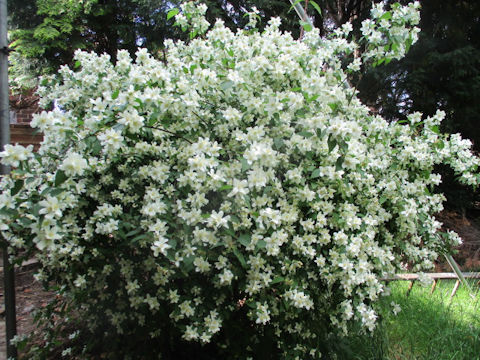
(429, 326)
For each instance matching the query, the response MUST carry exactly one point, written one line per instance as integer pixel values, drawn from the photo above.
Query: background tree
(46, 33)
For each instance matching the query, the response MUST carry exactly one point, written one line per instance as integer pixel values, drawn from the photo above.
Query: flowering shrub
(236, 194)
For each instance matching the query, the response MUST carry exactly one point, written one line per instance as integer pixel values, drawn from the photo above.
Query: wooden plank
(410, 287)
(410, 277)
(455, 288)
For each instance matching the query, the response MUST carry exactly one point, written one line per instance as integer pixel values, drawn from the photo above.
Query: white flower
(51, 207)
(160, 246)
(240, 187)
(74, 164)
(186, 309)
(217, 220)
(226, 277)
(13, 154)
(80, 281)
(263, 314)
(111, 139)
(395, 308)
(132, 120)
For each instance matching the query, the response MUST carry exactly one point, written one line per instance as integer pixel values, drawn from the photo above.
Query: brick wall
(23, 134)
(23, 107)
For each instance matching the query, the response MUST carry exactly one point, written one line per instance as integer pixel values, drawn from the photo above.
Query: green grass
(429, 327)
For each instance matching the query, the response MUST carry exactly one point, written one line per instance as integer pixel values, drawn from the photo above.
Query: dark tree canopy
(48, 32)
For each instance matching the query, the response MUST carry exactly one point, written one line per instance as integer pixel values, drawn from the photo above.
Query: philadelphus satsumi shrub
(236, 192)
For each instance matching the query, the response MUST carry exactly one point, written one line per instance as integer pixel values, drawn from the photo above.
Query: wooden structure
(435, 277)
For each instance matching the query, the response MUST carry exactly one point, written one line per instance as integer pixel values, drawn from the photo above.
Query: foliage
(47, 32)
(235, 197)
(442, 71)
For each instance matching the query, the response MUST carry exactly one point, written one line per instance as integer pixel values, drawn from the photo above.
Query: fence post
(8, 269)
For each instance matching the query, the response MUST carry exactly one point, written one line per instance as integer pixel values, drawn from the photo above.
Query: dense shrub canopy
(236, 193)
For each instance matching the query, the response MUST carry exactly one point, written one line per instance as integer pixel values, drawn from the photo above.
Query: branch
(169, 132)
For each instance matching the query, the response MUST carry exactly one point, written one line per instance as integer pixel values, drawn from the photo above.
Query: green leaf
(293, 5)
(315, 174)
(60, 177)
(140, 237)
(115, 94)
(333, 106)
(225, 187)
(7, 212)
(339, 163)
(77, 64)
(17, 187)
(25, 222)
(306, 26)
(226, 85)
(279, 144)
(332, 142)
(94, 145)
(315, 5)
(251, 304)
(245, 239)
(435, 129)
(187, 263)
(277, 280)
(230, 232)
(440, 144)
(133, 232)
(172, 13)
(240, 258)
(235, 219)
(245, 165)
(261, 244)
(305, 134)
(172, 243)
(386, 16)
(343, 145)
(56, 192)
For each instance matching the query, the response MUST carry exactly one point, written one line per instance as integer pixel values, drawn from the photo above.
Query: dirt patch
(468, 255)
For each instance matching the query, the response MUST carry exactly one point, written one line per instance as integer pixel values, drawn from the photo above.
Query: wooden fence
(435, 277)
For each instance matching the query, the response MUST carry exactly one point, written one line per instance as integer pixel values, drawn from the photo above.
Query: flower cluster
(241, 181)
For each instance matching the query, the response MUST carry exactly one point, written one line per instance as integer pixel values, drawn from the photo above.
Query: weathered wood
(410, 287)
(455, 288)
(433, 276)
(434, 285)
